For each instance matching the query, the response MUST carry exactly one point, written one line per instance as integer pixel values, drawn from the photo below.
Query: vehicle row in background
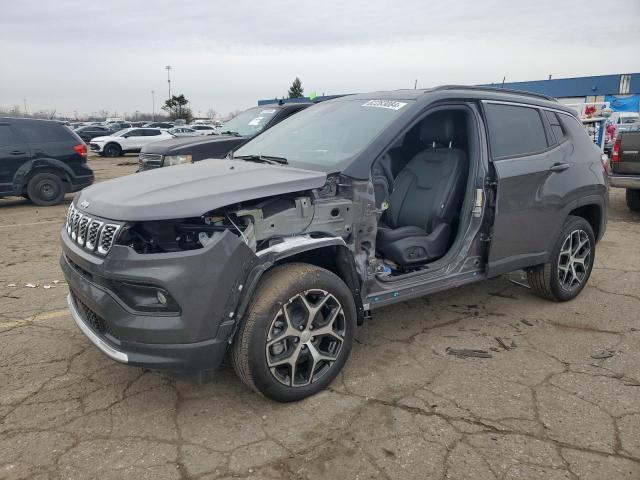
(234, 133)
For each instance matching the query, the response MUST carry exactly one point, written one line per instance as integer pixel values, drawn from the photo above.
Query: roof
(463, 92)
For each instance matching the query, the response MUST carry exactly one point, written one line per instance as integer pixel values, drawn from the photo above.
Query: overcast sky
(108, 55)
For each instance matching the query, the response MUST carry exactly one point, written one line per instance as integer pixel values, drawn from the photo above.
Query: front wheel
(297, 333)
(112, 150)
(633, 199)
(570, 265)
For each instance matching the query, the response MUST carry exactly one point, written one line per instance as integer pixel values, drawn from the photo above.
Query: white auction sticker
(267, 112)
(390, 104)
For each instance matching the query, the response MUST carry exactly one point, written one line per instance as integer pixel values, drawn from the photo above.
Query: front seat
(426, 197)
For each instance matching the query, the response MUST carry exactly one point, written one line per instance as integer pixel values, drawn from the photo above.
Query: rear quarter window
(557, 129)
(574, 128)
(43, 132)
(514, 130)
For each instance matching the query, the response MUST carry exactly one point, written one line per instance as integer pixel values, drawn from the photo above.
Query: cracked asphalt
(541, 407)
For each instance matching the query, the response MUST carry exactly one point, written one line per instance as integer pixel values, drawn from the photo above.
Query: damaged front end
(327, 212)
(168, 293)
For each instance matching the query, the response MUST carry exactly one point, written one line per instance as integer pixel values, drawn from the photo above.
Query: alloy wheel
(305, 338)
(574, 260)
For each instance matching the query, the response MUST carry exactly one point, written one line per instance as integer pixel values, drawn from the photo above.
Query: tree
(176, 107)
(233, 114)
(296, 90)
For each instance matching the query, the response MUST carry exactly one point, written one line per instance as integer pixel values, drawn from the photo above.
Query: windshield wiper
(263, 159)
(230, 132)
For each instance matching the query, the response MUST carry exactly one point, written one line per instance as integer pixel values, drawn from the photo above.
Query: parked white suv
(129, 140)
(204, 129)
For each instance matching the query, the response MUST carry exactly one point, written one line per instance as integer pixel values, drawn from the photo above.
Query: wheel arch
(593, 211)
(329, 253)
(41, 165)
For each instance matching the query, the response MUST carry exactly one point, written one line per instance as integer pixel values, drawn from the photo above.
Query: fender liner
(20, 177)
(293, 246)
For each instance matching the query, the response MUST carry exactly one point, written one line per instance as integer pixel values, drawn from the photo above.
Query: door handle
(559, 167)
(17, 152)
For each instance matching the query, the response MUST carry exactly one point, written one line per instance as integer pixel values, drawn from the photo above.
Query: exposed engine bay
(329, 211)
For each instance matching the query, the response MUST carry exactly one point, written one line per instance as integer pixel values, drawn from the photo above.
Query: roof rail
(495, 90)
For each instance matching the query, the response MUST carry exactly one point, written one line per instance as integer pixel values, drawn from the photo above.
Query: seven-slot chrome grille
(92, 234)
(147, 161)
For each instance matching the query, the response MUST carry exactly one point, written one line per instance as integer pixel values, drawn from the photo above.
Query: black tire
(112, 150)
(46, 189)
(284, 285)
(633, 199)
(545, 279)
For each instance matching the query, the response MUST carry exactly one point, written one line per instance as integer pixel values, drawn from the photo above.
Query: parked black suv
(41, 160)
(276, 254)
(235, 132)
(89, 132)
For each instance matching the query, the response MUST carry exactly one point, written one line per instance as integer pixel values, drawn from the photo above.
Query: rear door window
(136, 133)
(515, 130)
(149, 132)
(43, 132)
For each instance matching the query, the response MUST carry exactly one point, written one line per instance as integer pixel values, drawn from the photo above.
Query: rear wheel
(112, 150)
(46, 189)
(297, 333)
(569, 268)
(633, 199)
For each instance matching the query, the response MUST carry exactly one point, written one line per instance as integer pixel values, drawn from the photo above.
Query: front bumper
(625, 181)
(96, 147)
(206, 284)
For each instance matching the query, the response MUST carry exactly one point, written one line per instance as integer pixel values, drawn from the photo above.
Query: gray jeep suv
(275, 255)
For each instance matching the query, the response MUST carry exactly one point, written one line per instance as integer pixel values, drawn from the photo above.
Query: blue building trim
(556, 87)
(575, 87)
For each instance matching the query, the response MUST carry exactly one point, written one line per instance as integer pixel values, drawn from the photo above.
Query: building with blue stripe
(622, 90)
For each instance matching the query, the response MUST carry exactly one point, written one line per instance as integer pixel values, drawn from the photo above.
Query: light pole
(168, 67)
(153, 105)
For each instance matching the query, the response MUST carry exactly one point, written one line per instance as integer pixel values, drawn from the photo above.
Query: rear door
(134, 140)
(153, 135)
(531, 170)
(14, 152)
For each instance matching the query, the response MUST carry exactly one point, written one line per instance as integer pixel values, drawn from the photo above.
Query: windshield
(250, 122)
(323, 137)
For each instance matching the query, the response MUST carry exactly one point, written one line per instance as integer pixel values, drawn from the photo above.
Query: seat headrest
(439, 128)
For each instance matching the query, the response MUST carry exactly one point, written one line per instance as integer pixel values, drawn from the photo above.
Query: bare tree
(233, 114)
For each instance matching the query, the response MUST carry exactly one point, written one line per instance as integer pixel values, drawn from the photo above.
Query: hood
(103, 138)
(166, 147)
(190, 190)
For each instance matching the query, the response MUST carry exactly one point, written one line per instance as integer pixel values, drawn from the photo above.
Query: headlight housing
(177, 160)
